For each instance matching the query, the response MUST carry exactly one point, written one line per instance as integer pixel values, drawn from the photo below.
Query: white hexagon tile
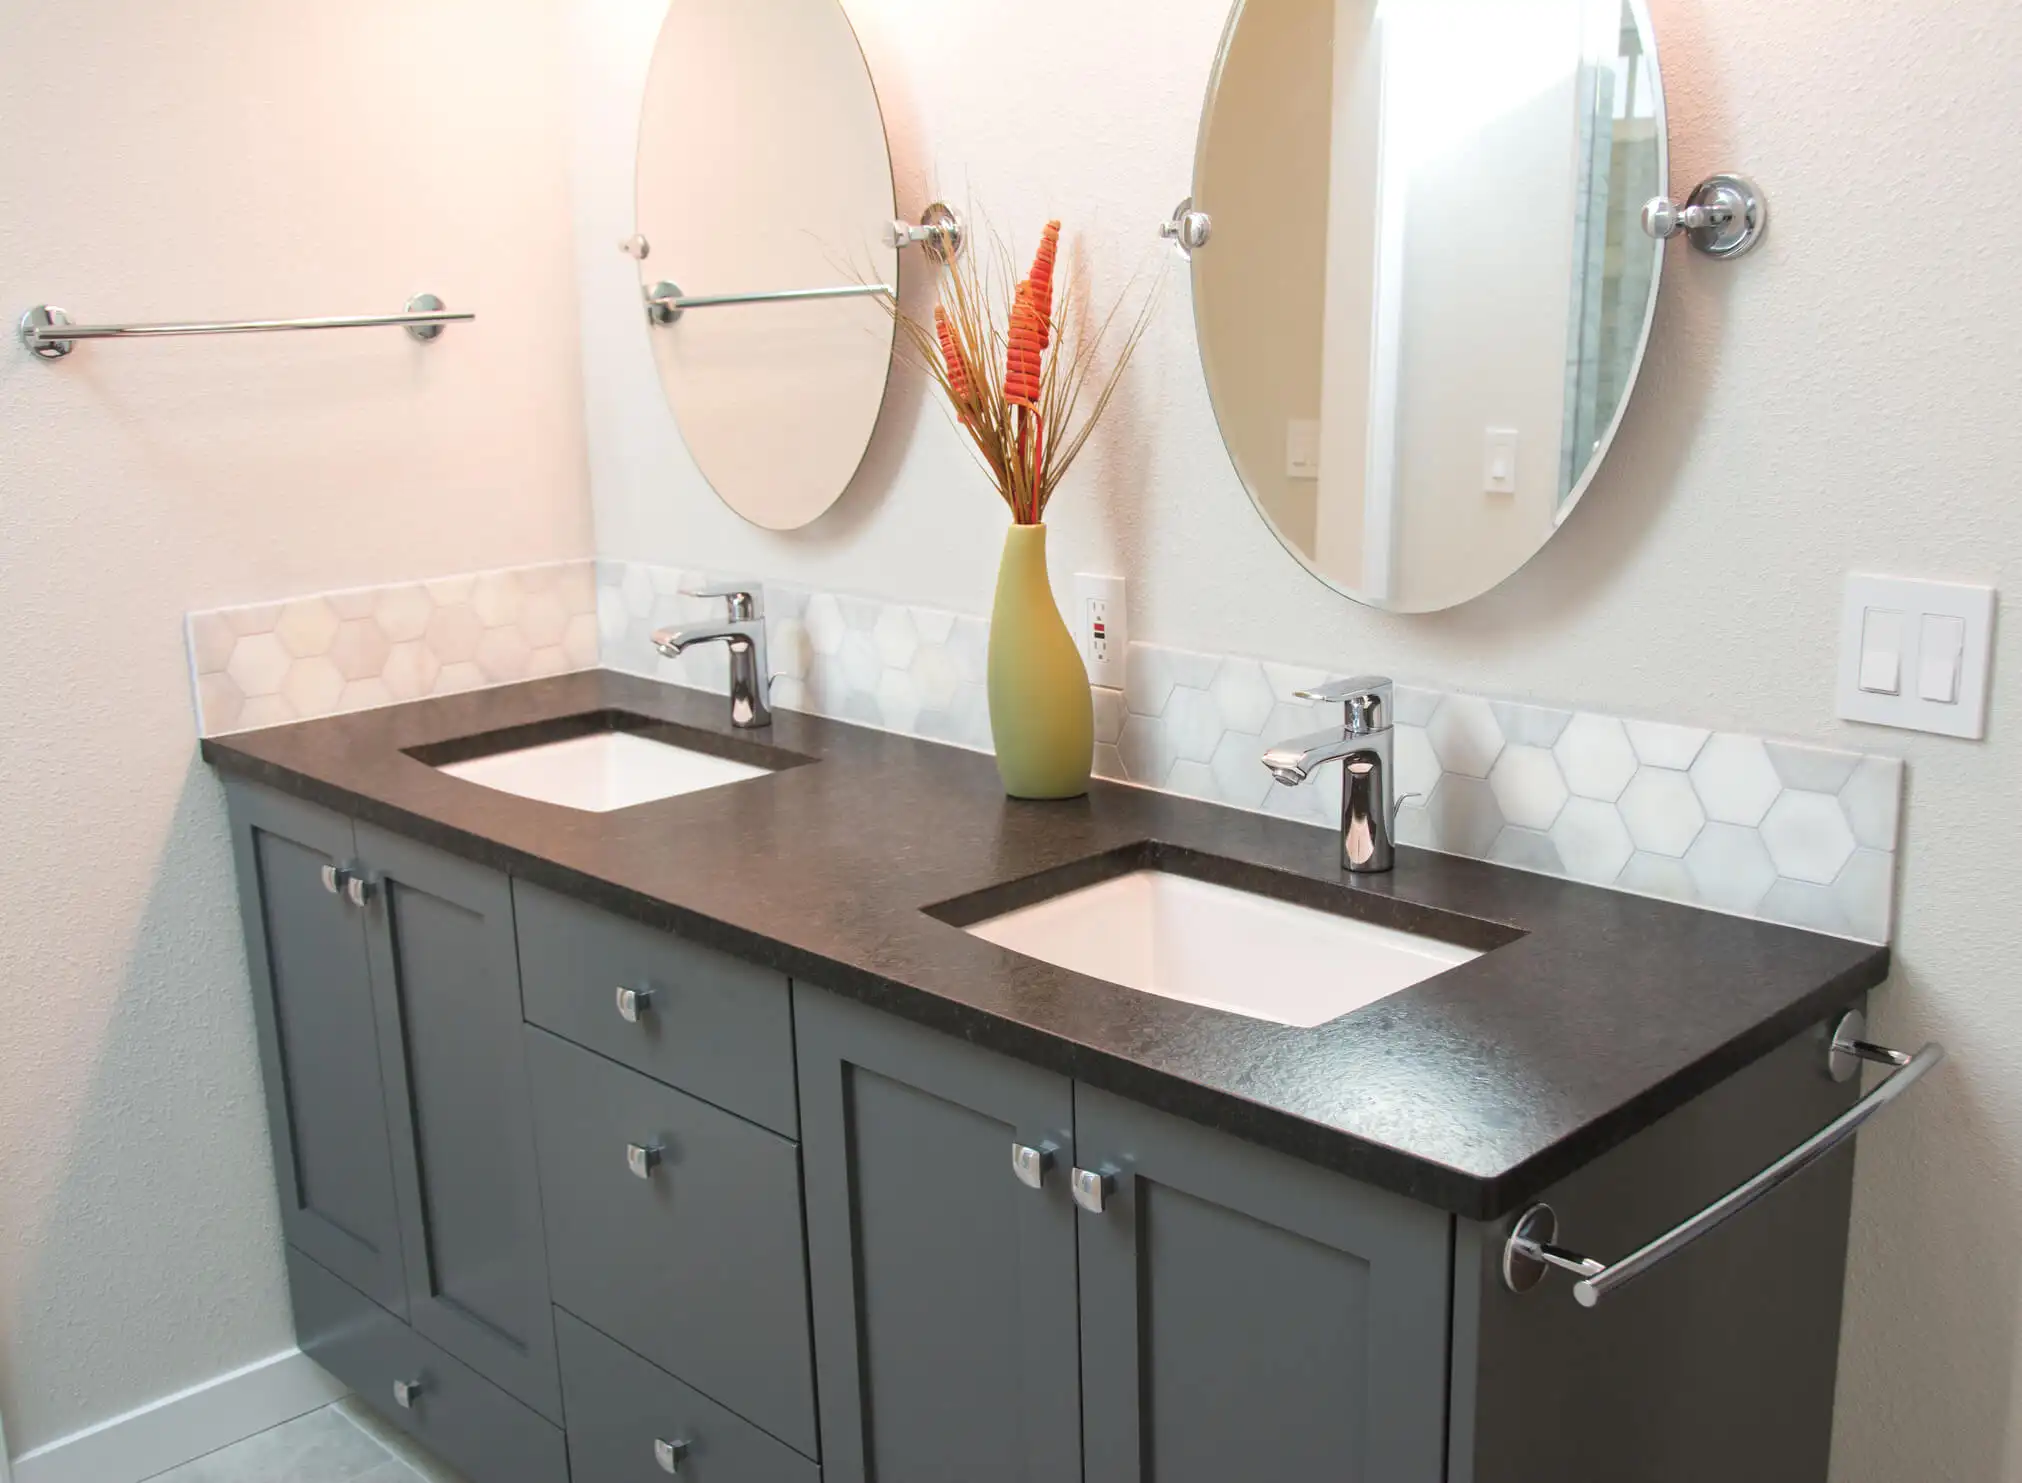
(1773, 830)
(266, 663)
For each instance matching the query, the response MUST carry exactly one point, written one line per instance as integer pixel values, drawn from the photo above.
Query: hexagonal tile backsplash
(346, 651)
(1766, 829)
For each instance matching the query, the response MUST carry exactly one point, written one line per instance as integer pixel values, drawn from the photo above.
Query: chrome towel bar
(665, 302)
(48, 332)
(1530, 1253)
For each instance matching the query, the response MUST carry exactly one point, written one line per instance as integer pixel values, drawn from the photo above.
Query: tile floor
(342, 1443)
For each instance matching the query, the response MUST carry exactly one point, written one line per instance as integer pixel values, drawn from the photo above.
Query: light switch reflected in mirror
(764, 174)
(1428, 290)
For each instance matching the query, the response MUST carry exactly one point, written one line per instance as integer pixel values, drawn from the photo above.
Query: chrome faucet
(1363, 747)
(743, 628)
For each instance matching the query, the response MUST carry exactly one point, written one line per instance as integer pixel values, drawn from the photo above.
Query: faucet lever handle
(1339, 692)
(1366, 698)
(746, 598)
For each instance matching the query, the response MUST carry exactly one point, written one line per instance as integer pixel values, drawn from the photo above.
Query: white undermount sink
(1207, 944)
(602, 771)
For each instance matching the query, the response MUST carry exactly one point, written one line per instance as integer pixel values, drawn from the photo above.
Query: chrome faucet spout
(1293, 762)
(674, 642)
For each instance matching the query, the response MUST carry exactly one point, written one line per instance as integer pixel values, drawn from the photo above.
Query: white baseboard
(177, 1428)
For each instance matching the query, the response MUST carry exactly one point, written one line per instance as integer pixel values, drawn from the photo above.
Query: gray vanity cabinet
(1227, 1313)
(386, 991)
(319, 1041)
(445, 966)
(944, 1286)
(1244, 1315)
(1008, 1276)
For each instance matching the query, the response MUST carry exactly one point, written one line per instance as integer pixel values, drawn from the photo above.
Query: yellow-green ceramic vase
(1041, 716)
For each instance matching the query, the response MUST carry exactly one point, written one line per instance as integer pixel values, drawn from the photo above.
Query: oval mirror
(1427, 291)
(764, 192)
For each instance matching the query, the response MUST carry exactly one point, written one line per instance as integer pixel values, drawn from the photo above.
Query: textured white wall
(1843, 399)
(183, 160)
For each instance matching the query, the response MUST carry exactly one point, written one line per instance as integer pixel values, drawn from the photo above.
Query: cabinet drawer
(696, 1261)
(456, 1413)
(709, 1024)
(622, 1409)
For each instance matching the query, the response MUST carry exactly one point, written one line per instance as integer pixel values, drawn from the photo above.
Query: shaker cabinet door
(1247, 1316)
(943, 1284)
(446, 978)
(319, 1042)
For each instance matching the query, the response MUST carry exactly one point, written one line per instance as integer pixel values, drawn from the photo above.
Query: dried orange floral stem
(1016, 360)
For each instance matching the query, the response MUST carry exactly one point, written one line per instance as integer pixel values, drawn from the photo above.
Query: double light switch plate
(1916, 654)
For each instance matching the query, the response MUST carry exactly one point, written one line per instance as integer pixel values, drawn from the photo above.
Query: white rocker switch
(1944, 643)
(1882, 652)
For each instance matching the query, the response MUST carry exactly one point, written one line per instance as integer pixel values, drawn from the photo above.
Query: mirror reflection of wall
(764, 171)
(1427, 291)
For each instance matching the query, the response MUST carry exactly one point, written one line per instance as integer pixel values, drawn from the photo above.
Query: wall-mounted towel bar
(49, 333)
(1531, 1251)
(665, 302)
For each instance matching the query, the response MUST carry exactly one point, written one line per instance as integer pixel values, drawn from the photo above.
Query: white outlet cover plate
(1105, 668)
(1917, 600)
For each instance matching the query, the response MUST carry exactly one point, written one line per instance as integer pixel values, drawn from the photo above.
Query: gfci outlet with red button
(1916, 654)
(1101, 627)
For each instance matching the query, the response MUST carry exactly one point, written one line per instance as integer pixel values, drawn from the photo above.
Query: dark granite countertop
(1596, 1014)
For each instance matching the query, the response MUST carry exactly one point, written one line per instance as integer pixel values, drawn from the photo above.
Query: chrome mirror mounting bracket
(1724, 217)
(940, 233)
(1188, 230)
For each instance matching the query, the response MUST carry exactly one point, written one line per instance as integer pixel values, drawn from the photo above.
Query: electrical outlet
(1101, 627)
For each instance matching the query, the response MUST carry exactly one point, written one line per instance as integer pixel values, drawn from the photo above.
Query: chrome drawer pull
(1030, 1164)
(1092, 1188)
(346, 881)
(632, 1003)
(643, 1158)
(405, 1393)
(1530, 1253)
(670, 1455)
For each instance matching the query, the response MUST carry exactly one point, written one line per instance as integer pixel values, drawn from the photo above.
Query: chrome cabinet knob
(643, 1158)
(1092, 1189)
(1030, 1164)
(632, 1003)
(670, 1455)
(346, 881)
(405, 1393)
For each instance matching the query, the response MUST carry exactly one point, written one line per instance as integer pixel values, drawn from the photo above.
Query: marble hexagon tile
(1788, 833)
(265, 663)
